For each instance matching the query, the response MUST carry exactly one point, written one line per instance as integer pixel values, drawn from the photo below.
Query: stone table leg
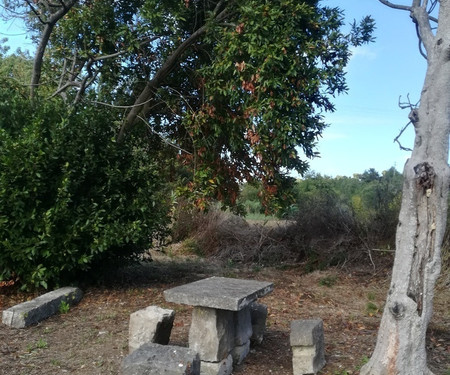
(212, 333)
(243, 332)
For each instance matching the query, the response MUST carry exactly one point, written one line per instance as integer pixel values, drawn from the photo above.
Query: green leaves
(71, 198)
(271, 75)
(241, 100)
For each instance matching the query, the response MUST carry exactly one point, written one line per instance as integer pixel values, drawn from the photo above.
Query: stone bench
(40, 308)
(156, 359)
(152, 324)
(222, 327)
(307, 342)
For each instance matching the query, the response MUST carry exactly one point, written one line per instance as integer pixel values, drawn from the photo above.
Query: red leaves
(252, 136)
(248, 86)
(240, 28)
(7, 283)
(240, 66)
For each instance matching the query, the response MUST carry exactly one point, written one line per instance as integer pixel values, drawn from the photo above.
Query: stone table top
(219, 293)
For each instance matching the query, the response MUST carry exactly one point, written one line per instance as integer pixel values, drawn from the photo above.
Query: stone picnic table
(224, 318)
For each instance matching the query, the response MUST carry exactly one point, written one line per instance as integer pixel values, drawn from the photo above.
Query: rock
(152, 324)
(240, 352)
(211, 333)
(40, 308)
(224, 367)
(243, 326)
(156, 359)
(258, 313)
(308, 350)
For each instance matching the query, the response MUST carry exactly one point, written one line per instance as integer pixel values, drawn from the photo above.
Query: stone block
(212, 333)
(152, 324)
(308, 350)
(258, 313)
(243, 326)
(305, 360)
(240, 352)
(156, 359)
(219, 292)
(306, 332)
(40, 308)
(224, 367)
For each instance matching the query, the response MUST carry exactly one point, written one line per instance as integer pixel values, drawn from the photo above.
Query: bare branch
(45, 37)
(422, 52)
(412, 117)
(36, 12)
(62, 74)
(397, 138)
(396, 6)
(87, 80)
(64, 88)
(106, 57)
(408, 104)
(123, 106)
(420, 16)
(166, 141)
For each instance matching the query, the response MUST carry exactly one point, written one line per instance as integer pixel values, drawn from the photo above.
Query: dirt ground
(92, 338)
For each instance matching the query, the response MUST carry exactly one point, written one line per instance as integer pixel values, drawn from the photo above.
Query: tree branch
(396, 6)
(36, 12)
(166, 141)
(421, 17)
(39, 57)
(160, 75)
(142, 103)
(422, 20)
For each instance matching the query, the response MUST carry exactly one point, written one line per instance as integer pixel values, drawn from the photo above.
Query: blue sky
(367, 118)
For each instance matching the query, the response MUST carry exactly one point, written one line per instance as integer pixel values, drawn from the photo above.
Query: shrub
(71, 199)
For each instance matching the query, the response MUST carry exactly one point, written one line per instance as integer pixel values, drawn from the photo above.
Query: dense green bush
(71, 199)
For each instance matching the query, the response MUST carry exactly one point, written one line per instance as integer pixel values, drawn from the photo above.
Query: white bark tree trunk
(400, 348)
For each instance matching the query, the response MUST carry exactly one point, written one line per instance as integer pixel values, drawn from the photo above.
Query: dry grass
(228, 237)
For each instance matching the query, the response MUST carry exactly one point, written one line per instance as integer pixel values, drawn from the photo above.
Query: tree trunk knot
(397, 310)
(424, 176)
(414, 116)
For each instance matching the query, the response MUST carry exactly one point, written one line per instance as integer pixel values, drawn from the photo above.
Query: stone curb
(40, 308)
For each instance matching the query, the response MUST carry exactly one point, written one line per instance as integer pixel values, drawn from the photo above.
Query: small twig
(383, 250)
(123, 106)
(412, 117)
(35, 11)
(162, 138)
(396, 139)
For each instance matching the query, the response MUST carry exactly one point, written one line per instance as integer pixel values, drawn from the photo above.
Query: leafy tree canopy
(235, 90)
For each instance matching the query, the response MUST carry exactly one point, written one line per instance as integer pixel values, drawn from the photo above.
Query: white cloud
(365, 52)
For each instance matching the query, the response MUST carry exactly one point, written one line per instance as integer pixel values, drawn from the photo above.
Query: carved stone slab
(219, 293)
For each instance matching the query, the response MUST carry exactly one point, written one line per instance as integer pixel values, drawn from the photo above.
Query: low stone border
(40, 308)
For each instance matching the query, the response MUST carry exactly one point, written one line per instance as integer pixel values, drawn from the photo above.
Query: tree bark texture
(400, 348)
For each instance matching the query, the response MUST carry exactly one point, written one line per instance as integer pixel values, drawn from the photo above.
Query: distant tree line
(366, 204)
